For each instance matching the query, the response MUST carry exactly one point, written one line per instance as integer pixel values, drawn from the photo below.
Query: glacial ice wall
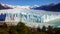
(29, 16)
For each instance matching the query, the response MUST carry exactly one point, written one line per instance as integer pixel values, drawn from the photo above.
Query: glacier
(32, 18)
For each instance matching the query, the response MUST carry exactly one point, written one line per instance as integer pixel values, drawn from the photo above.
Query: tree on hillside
(43, 28)
(4, 26)
(50, 30)
(38, 29)
(22, 28)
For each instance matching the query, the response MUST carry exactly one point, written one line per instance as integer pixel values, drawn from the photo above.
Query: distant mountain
(50, 7)
(5, 6)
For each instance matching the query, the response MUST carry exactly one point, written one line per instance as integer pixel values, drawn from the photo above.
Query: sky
(29, 2)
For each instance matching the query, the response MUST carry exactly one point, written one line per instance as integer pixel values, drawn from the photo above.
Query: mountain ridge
(50, 7)
(5, 6)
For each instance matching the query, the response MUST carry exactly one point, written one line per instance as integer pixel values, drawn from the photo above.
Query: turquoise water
(56, 22)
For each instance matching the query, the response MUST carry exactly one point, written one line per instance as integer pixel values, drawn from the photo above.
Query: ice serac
(2, 17)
